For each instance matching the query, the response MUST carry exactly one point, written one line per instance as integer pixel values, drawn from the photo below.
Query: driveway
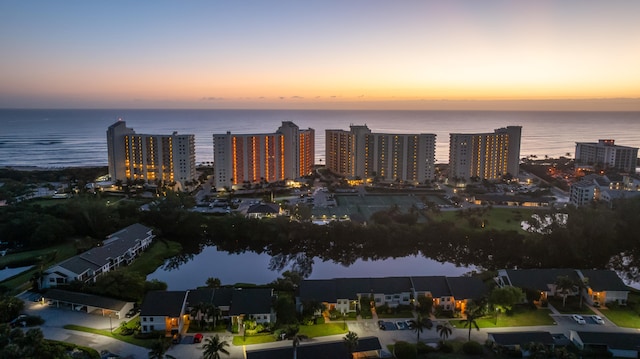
(56, 318)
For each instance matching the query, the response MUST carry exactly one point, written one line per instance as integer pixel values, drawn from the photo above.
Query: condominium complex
(487, 156)
(152, 158)
(361, 153)
(287, 153)
(606, 154)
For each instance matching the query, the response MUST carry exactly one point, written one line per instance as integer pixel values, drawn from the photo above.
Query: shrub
(472, 348)
(445, 347)
(423, 348)
(404, 350)
(319, 320)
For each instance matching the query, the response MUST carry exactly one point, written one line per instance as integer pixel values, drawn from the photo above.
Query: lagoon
(250, 267)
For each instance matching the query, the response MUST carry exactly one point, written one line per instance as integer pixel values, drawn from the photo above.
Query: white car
(597, 319)
(579, 319)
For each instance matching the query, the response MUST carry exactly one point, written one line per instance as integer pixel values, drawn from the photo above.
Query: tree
(444, 330)
(425, 304)
(213, 346)
(564, 286)
(503, 299)
(158, 349)
(419, 324)
(351, 342)
(213, 282)
(470, 322)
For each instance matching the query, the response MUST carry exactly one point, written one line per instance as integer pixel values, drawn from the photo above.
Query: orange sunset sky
(581, 55)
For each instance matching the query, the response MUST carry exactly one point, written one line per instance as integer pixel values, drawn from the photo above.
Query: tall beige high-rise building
(362, 153)
(487, 156)
(287, 153)
(152, 158)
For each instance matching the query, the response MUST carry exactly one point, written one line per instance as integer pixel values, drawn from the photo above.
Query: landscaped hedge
(472, 348)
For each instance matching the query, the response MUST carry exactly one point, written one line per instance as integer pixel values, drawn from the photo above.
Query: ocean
(72, 138)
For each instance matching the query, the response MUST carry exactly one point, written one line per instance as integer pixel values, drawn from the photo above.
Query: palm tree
(213, 347)
(158, 349)
(444, 330)
(470, 321)
(351, 341)
(213, 282)
(419, 324)
(564, 285)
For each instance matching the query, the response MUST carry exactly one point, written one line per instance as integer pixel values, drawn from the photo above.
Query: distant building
(487, 156)
(606, 154)
(391, 157)
(607, 188)
(287, 153)
(152, 158)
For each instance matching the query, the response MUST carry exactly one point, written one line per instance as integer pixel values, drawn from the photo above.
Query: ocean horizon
(58, 138)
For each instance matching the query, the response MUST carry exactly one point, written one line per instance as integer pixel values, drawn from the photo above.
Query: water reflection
(250, 267)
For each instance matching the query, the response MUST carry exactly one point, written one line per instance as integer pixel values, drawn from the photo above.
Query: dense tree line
(592, 237)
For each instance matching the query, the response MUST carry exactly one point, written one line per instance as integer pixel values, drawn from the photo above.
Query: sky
(564, 54)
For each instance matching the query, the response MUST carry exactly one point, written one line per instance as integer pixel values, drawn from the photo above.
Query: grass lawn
(622, 317)
(495, 218)
(146, 343)
(154, 257)
(21, 281)
(521, 318)
(311, 331)
(321, 330)
(255, 339)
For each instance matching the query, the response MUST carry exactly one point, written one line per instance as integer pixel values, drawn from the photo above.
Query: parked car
(132, 312)
(579, 319)
(597, 319)
(401, 325)
(21, 320)
(197, 338)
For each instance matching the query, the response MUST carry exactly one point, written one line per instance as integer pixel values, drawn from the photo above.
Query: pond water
(10, 272)
(250, 267)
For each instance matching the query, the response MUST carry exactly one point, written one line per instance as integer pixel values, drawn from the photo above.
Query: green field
(519, 319)
(494, 218)
(371, 203)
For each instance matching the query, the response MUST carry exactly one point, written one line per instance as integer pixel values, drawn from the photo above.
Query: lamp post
(110, 324)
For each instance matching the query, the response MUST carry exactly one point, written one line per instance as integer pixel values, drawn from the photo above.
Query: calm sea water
(63, 138)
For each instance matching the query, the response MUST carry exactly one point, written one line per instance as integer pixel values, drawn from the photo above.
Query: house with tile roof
(344, 294)
(602, 286)
(118, 249)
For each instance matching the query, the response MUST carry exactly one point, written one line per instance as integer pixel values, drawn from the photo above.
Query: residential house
(604, 286)
(601, 286)
(118, 249)
(164, 311)
(344, 294)
(171, 311)
(619, 345)
(368, 347)
(264, 210)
